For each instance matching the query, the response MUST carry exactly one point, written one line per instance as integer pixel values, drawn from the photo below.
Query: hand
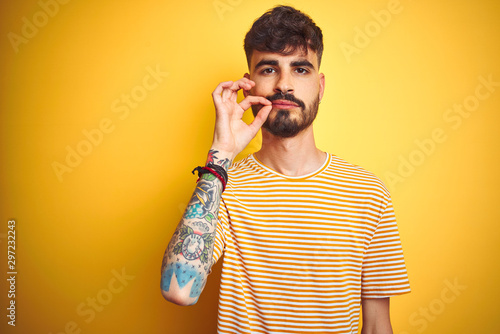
(231, 133)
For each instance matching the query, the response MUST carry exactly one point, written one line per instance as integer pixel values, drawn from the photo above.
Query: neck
(294, 156)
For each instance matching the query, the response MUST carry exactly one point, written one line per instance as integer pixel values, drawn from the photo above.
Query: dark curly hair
(283, 29)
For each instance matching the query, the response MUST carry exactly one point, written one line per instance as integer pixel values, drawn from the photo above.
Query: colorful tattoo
(205, 200)
(211, 156)
(193, 245)
(226, 163)
(184, 274)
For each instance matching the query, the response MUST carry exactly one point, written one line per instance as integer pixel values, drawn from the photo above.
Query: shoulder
(356, 175)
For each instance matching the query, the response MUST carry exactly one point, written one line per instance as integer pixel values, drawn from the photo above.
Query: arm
(376, 316)
(188, 257)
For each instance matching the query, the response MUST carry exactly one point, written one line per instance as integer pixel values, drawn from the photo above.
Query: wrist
(220, 158)
(215, 171)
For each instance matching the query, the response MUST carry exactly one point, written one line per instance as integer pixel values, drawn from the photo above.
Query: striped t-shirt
(301, 252)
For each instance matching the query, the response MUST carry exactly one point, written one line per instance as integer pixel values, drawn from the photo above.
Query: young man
(307, 237)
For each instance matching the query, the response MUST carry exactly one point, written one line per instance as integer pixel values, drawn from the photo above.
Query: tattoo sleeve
(188, 257)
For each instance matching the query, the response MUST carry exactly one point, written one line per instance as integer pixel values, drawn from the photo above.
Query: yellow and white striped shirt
(300, 252)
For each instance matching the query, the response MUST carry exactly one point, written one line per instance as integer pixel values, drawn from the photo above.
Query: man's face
(294, 86)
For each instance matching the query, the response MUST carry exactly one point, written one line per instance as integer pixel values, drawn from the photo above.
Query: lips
(285, 101)
(284, 104)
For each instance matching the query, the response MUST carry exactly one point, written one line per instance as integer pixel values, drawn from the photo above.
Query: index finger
(252, 100)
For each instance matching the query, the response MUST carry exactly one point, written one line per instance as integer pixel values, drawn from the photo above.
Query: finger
(250, 85)
(243, 83)
(228, 91)
(216, 94)
(253, 100)
(221, 86)
(260, 118)
(231, 93)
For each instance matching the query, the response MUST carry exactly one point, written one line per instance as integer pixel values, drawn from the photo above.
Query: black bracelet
(200, 171)
(220, 170)
(207, 169)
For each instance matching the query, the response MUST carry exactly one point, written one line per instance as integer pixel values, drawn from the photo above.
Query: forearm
(376, 316)
(188, 257)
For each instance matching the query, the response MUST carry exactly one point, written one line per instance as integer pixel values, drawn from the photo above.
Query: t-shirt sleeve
(384, 270)
(220, 239)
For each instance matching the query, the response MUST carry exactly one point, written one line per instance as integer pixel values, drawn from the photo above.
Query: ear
(321, 85)
(246, 92)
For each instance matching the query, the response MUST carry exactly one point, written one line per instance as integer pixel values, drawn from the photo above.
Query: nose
(284, 84)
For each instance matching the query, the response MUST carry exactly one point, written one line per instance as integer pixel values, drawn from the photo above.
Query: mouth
(284, 104)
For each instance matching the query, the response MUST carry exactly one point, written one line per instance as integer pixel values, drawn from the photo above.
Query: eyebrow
(271, 62)
(303, 63)
(265, 62)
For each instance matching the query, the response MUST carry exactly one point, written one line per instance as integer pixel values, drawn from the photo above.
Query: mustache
(288, 97)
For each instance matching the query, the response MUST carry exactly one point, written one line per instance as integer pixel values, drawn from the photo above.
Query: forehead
(284, 59)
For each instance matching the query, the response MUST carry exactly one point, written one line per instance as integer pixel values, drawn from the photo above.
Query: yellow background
(118, 207)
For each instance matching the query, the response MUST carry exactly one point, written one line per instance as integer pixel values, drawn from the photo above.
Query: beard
(283, 125)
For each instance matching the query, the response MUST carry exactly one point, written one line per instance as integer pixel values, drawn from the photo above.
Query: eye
(268, 70)
(302, 70)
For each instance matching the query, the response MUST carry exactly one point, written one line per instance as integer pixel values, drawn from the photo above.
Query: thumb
(260, 118)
